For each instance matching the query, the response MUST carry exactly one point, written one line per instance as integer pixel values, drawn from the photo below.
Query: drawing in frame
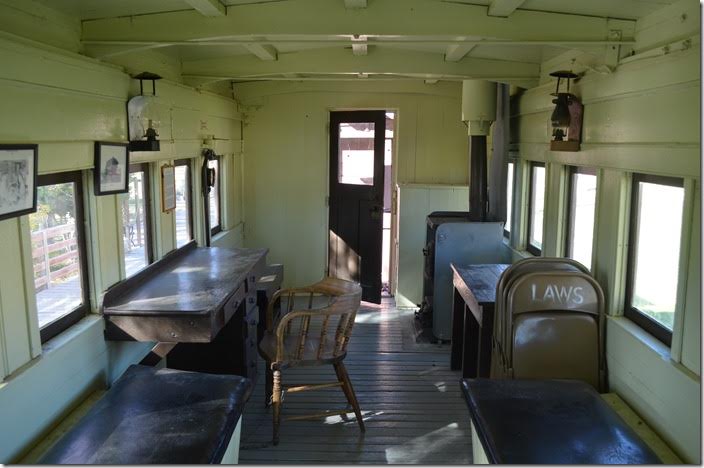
(111, 168)
(18, 180)
(168, 188)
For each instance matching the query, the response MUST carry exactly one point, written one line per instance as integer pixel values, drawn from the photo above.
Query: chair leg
(276, 400)
(268, 385)
(344, 377)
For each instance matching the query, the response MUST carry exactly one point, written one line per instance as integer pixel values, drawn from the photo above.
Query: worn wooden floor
(411, 401)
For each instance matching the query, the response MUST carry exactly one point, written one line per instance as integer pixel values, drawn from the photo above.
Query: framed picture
(18, 180)
(168, 188)
(111, 168)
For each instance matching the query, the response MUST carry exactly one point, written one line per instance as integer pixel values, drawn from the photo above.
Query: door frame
(393, 260)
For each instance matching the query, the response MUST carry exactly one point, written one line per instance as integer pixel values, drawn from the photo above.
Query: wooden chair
(302, 336)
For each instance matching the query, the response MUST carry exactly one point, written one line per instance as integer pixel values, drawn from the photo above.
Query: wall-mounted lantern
(566, 119)
(143, 125)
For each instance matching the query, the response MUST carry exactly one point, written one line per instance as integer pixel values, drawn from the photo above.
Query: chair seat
(309, 356)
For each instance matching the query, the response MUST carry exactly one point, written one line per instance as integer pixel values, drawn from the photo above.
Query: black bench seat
(157, 416)
(550, 422)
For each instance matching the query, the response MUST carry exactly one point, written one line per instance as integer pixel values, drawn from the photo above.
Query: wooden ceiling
(245, 40)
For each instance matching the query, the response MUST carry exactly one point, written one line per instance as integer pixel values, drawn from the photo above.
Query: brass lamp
(566, 118)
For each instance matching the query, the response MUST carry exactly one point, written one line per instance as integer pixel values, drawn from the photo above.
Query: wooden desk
(197, 303)
(473, 317)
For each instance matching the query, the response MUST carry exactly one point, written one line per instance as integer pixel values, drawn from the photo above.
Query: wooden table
(473, 317)
(199, 304)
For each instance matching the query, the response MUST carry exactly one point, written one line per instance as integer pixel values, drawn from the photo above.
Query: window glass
(536, 208)
(58, 252)
(655, 250)
(214, 198)
(509, 197)
(183, 212)
(580, 234)
(136, 222)
(356, 158)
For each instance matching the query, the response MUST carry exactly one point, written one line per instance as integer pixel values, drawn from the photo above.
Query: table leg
(457, 331)
(485, 334)
(470, 353)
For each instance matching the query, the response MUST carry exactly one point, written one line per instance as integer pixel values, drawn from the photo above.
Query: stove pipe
(478, 111)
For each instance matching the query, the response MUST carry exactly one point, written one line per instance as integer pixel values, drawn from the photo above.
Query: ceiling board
(622, 9)
(94, 9)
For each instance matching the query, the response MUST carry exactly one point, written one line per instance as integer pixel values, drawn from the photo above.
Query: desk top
(550, 421)
(152, 416)
(195, 282)
(481, 279)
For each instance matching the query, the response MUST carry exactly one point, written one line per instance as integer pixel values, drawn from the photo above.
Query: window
(356, 158)
(536, 207)
(136, 220)
(654, 251)
(59, 253)
(184, 207)
(580, 218)
(214, 198)
(510, 173)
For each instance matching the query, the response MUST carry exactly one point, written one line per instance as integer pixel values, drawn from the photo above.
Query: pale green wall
(644, 117)
(65, 102)
(286, 158)
(415, 203)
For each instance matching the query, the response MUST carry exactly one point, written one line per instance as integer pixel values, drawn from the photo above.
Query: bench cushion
(550, 421)
(157, 416)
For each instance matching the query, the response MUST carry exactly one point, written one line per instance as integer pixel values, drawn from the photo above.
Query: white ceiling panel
(622, 9)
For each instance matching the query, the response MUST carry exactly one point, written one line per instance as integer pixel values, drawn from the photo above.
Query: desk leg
(470, 353)
(485, 334)
(457, 331)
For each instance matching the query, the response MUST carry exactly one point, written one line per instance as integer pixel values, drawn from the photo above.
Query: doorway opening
(386, 260)
(361, 203)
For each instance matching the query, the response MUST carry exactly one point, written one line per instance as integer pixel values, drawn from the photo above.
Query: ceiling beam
(210, 8)
(503, 8)
(410, 18)
(354, 4)
(359, 45)
(336, 61)
(456, 52)
(263, 51)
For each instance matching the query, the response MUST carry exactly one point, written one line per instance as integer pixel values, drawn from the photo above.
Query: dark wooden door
(356, 198)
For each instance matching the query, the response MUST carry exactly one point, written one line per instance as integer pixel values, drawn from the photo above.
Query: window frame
(144, 167)
(530, 247)
(218, 181)
(507, 233)
(61, 324)
(569, 218)
(189, 206)
(640, 318)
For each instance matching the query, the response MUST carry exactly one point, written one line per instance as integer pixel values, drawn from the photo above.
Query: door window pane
(356, 153)
(214, 198)
(536, 208)
(655, 248)
(184, 230)
(136, 221)
(58, 251)
(581, 216)
(509, 197)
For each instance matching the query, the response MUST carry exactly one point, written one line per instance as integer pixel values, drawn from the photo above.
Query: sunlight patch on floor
(422, 448)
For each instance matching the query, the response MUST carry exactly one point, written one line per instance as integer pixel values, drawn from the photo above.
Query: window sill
(57, 343)
(641, 335)
(650, 342)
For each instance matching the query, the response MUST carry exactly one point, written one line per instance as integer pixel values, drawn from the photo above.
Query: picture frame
(111, 168)
(168, 188)
(18, 180)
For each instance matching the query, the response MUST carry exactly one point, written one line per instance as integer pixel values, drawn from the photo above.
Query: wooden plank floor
(411, 401)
